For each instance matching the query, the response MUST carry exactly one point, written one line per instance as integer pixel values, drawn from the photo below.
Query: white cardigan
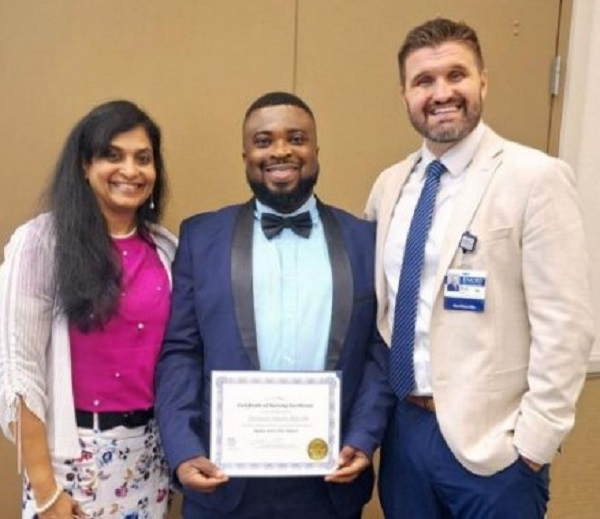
(35, 354)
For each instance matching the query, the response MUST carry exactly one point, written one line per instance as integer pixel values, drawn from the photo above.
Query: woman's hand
(38, 467)
(65, 507)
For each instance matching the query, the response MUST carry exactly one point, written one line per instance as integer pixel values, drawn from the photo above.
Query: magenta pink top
(113, 367)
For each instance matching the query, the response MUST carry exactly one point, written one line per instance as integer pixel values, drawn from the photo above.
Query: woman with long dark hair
(84, 299)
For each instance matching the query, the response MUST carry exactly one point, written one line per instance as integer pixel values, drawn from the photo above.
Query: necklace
(123, 236)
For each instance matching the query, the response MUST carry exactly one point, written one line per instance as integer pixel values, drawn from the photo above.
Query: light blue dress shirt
(293, 288)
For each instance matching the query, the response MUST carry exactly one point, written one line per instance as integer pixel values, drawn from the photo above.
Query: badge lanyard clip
(467, 244)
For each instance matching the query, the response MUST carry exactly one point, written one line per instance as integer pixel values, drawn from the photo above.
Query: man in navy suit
(250, 294)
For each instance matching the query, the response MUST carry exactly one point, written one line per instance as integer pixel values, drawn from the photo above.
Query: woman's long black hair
(87, 271)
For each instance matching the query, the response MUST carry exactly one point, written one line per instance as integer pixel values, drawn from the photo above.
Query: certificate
(267, 423)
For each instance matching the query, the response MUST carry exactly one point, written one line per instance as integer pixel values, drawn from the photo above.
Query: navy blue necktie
(402, 376)
(273, 224)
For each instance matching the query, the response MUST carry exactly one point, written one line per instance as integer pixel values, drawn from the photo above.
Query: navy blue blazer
(211, 327)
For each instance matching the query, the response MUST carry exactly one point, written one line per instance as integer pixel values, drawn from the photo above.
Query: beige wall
(575, 474)
(196, 64)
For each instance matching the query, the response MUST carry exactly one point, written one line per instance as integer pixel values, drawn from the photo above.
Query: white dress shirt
(457, 160)
(293, 293)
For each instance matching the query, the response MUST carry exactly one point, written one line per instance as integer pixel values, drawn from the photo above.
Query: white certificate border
(331, 379)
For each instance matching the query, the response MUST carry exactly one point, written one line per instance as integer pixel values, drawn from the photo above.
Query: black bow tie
(273, 224)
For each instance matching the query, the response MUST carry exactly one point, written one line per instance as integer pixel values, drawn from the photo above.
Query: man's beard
(285, 202)
(452, 133)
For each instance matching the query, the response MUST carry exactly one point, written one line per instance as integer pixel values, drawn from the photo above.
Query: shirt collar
(458, 158)
(310, 205)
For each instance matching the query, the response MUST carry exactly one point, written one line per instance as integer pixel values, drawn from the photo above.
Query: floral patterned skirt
(121, 474)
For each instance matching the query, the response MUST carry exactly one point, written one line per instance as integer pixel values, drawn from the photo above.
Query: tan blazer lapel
(390, 198)
(392, 194)
(385, 209)
(478, 176)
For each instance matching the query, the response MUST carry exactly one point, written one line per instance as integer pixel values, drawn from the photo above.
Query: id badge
(464, 289)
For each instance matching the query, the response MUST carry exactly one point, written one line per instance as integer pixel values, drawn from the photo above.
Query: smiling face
(281, 155)
(123, 178)
(443, 91)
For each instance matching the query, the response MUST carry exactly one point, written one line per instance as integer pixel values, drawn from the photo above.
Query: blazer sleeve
(365, 366)
(557, 290)
(178, 376)
(374, 200)
(374, 401)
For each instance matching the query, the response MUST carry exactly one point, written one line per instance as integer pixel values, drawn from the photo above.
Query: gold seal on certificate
(317, 449)
(266, 423)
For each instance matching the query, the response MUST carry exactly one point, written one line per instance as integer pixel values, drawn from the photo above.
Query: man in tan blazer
(498, 359)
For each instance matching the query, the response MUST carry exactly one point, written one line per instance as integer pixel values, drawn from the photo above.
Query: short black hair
(277, 99)
(434, 33)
